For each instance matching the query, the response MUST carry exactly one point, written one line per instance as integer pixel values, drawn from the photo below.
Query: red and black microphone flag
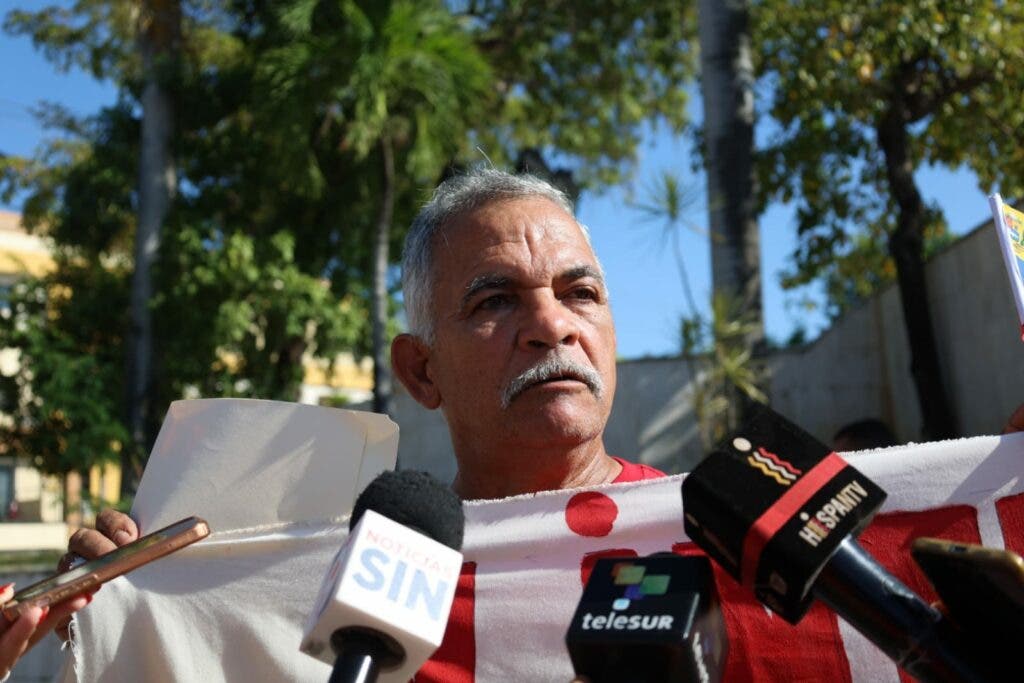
(771, 504)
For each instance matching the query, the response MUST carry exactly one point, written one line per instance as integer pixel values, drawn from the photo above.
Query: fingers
(113, 529)
(88, 543)
(69, 560)
(117, 526)
(63, 629)
(15, 639)
(59, 618)
(1016, 421)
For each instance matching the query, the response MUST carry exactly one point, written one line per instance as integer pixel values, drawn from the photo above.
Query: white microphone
(383, 606)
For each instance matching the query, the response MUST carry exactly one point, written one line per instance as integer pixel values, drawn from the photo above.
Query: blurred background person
(863, 435)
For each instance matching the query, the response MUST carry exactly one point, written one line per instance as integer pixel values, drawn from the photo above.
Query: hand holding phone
(983, 593)
(86, 577)
(19, 635)
(982, 588)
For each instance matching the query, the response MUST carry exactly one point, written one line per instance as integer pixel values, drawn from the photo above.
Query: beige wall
(21, 252)
(33, 536)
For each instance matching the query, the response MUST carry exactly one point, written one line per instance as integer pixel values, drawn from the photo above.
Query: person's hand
(31, 625)
(113, 530)
(1016, 421)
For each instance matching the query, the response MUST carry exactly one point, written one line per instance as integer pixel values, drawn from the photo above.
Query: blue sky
(647, 296)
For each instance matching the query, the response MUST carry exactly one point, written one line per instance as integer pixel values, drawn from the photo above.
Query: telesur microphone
(780, 512)
(383, 606)
(650, 619)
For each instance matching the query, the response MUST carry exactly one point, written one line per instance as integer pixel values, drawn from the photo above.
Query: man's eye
(584, 293)
(494, 302)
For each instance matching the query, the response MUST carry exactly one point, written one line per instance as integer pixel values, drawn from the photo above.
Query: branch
(919, 103)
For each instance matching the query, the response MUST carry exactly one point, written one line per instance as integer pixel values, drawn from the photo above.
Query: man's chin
(558, 419)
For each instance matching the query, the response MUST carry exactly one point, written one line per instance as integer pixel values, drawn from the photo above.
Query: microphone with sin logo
(383, 606)
(652, 619)
(780, 512)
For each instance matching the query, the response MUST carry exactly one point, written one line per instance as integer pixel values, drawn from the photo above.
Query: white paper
(245, 463)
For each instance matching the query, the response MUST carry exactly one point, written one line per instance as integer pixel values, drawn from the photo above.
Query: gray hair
(452, 198)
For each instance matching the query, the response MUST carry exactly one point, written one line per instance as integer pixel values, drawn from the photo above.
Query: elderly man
(511, 336)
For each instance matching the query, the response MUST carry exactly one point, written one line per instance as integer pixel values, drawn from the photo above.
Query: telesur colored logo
(638, 583)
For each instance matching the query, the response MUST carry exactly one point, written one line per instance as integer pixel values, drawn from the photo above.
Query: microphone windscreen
(771, 504)
(649, 620)
(416, 500)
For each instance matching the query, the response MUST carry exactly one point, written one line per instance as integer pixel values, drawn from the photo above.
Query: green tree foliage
(726, 376)
(390, 86)
(237, 302)
(236, 317)
(579, 79)
(862, 266)
(863, 95)
(303, 129)
(62, 404)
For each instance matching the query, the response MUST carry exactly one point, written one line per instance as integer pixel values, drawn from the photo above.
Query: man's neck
(500, 475)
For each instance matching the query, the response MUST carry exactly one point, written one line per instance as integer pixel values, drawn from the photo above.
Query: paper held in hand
(1010, 228)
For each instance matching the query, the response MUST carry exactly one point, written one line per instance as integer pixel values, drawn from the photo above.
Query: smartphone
(982, 588)
(91, 574)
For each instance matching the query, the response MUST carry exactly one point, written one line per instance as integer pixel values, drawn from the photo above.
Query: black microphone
(383, 606)
(780, 512)
(651, 619)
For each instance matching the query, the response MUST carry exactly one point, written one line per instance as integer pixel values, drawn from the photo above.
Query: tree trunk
(74, 485)
(379, 318)
(159, 32)
(287, 372)
(727, 82)
(906, 246)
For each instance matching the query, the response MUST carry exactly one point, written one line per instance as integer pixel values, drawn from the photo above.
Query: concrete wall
(857, 369)
(861, 366)
(652, 418)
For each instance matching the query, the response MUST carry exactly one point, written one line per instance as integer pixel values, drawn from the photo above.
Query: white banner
(232, 607)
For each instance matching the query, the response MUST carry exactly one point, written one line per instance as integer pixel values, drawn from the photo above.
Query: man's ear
(409, 357)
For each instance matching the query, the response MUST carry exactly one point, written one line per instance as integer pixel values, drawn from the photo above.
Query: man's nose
(547, 323)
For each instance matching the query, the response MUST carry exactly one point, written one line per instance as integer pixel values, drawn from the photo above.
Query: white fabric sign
(271, 478)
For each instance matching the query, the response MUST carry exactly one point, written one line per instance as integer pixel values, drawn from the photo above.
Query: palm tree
(716, 351)
(393, 88)
(668, 200)
(159, 35)
(727, 84)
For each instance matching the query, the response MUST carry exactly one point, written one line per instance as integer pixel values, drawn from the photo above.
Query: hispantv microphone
(651, 619)
(780, 512)
(383, 606)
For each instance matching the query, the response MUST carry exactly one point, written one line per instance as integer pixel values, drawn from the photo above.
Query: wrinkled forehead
(536, 221)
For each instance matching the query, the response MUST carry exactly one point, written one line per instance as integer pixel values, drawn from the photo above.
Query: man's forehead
(511, 220)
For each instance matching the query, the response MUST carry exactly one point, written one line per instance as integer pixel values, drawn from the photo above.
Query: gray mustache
(552, 368)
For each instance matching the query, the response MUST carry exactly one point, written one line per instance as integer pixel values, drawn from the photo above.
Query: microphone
(780, 512)
(384, 603)
(652, 619)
